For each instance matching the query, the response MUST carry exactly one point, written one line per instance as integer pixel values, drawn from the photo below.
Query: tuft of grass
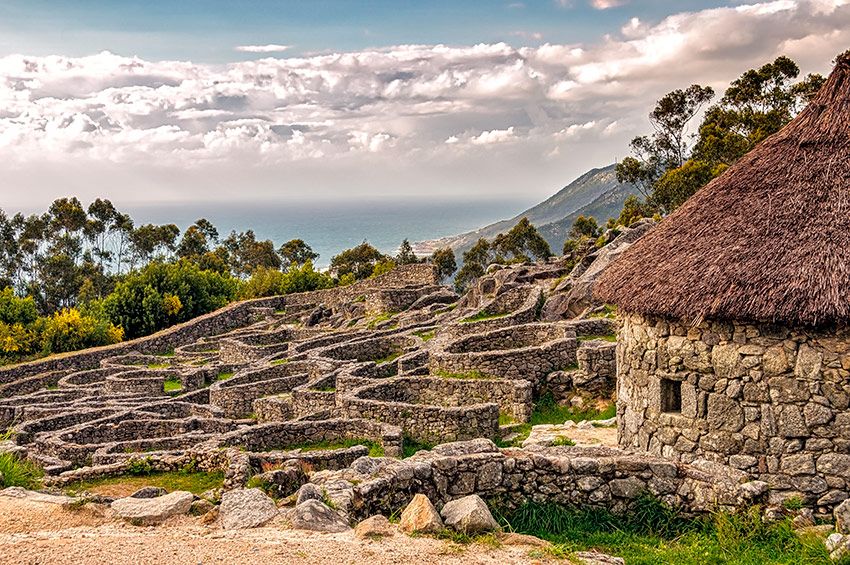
(562, 441)
(389, 358)
(426, 335)
(193, 481)
(793, 503)
(655, 534)
(19, 472)
(224, 376)
(158, 365)
(605, 337)
(279, 362)
(505, 419)
(607, 311)
(379, 319)
(410, 446)
(172, 385)
(483, 315)
(169, 353)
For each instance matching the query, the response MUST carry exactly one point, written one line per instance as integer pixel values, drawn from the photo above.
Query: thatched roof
(767, 241)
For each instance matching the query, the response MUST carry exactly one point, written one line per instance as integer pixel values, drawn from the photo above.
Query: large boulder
(308, 491)
(420, 516)
(317, 516)
(149, 492)
(152, 511)
(245, 508)
(574, 295)
(469, 515)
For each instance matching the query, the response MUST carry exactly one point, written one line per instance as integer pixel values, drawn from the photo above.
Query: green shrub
(163, 294)
(70, 330)
(272, 282)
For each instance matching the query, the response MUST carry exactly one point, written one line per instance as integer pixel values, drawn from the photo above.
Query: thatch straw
(767, 241)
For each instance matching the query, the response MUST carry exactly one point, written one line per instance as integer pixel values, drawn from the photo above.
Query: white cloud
(606, 4)
(268, 48)
(484, 117)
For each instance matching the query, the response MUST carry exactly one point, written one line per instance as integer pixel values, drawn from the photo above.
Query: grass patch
(279, 362)
(375, 448)
(505, 419)
(411, 446)
(379, 319)
(607, 311)
(326, 388)
(169, 353)
(194, 482)
(606, 337)
(389, 358)
(562, 441)
(481, 316)
(158, 365)
(224, 376)
(426, 335)
(19, 472)
(654, 534)
(547, 411)
(172, 385)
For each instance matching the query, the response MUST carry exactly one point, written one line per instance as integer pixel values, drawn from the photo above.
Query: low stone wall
(235, 396)
(247, 348)
(283, 436)
(768, 400)
(597, 367)
(583, 477)
(529, 351)
(396, 401)
(514, 306)
(395, 299)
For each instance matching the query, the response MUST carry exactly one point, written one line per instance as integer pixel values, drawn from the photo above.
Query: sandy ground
(40, 533)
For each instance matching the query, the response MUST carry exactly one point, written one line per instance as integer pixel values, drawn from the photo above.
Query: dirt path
(38, 533)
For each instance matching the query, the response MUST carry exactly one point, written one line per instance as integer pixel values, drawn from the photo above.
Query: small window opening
(671, 395)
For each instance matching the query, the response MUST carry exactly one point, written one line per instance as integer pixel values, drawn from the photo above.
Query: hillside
(595, 193)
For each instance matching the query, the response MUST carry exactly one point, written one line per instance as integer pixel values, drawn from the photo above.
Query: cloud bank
(410, 119)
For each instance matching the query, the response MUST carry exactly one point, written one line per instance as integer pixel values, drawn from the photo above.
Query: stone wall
(528, 351)
(584, 477)
(404, 402)
(768, 400)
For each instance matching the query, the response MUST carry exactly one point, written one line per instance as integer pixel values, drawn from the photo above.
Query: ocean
(331, 227)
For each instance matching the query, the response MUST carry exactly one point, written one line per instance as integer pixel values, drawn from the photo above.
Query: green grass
(562, 441)
(52, 387)
(19, 472)
(653, 534)
(327, 388)
(194, 482)
(375, 448)
(172, 385)
(169, 353)
(606, 337)
(224, 376)
(411, 446)
(389, 358)
(608, 311)
(379, 319)
(481, 316)
(426, 335)
(279, 362)
(158, 365)
(548, 411)
(505, 419)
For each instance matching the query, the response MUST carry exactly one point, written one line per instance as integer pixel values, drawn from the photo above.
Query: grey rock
(317, 516)
(152, 511)
(246, 508)
(596, 558)
(842, 517)
(33, 496)
(469, 515)
(308, 491)
(149, 492)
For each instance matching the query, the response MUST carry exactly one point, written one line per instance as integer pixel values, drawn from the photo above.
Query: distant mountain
(596, 193)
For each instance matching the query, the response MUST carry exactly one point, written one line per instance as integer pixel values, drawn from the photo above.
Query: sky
(221, 101)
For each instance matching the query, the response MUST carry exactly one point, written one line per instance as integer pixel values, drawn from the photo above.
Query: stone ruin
(328, 387)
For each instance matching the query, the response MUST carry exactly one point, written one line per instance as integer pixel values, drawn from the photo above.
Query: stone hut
(735, 343)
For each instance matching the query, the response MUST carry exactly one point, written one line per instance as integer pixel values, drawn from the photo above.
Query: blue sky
(207, 31)
(151, 102)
